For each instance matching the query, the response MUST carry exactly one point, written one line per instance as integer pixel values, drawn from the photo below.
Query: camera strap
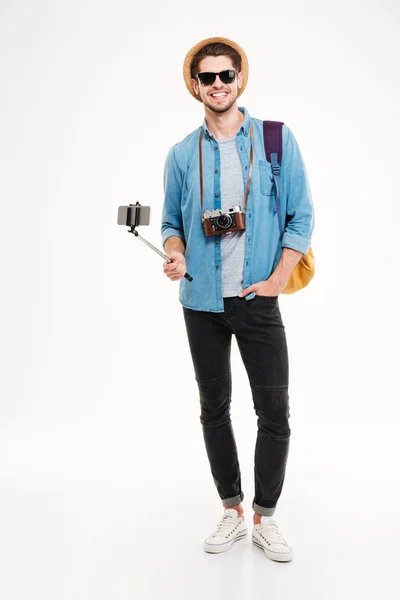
(201, 169)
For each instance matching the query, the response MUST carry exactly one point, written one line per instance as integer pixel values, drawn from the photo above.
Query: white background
(105, 489)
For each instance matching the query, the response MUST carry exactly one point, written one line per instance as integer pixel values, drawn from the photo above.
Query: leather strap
(201, 170)
(250, 168)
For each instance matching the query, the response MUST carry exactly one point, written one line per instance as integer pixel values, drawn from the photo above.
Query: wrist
(175, 244)
(278, 279)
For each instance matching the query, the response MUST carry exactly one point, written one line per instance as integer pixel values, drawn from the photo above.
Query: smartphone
(133, 215)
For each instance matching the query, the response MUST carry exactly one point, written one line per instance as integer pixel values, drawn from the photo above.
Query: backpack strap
(272, 133)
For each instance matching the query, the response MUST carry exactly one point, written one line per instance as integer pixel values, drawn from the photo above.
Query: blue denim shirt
(181, 214)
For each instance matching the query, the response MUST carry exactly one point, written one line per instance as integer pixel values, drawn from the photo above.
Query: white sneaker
(267, 536)
(230, 529)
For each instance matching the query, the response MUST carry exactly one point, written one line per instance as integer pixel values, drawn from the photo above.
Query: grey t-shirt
(232, 194)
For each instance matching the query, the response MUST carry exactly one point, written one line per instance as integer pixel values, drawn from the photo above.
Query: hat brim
(187, 64)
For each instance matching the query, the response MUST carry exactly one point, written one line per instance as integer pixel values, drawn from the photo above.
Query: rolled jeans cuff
(234, 501)
(263, 511)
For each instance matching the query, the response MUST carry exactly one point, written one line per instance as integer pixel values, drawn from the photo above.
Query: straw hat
(214, 40)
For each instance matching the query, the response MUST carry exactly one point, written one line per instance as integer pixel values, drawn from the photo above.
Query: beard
(222, 109)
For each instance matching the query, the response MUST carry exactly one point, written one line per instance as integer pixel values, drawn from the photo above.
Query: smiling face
(218, 97)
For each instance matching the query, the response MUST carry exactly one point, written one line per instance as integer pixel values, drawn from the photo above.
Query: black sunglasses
(225, 76)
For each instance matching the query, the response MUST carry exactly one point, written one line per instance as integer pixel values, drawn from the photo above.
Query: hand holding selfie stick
(169, 260)
(134, 215)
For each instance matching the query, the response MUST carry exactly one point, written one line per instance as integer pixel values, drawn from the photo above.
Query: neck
(224, 125)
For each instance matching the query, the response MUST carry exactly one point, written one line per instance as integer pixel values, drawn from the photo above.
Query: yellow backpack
(302, 273)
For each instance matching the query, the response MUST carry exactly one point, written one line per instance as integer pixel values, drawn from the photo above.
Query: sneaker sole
(274, 555)
(224, 547)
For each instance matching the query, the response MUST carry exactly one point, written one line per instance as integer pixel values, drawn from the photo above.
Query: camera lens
(224, 221)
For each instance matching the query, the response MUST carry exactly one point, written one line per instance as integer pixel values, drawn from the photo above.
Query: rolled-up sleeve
(300, 209)
(171, 214)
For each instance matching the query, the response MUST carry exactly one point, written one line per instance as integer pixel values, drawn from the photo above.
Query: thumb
(246, 291)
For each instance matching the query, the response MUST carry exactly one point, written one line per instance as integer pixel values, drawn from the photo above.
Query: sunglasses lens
(227, 76)
(207, 78)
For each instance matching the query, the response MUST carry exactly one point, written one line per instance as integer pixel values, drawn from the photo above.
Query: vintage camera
(216, 221)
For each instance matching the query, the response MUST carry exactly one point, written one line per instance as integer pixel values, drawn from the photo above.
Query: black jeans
(261, 338)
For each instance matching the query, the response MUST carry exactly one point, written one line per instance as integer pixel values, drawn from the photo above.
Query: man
(237, 278)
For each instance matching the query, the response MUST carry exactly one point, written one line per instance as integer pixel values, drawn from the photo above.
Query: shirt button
(217, 267)
(216, 170)
(216, 195)
(216, 243)
(215, 147)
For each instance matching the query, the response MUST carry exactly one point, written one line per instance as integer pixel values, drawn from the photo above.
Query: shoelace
(272, 533)
(225, 526)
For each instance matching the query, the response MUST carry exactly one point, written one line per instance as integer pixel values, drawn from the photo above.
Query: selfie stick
(169, 260)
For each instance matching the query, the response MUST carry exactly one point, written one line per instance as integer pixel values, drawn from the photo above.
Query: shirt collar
(245, 127)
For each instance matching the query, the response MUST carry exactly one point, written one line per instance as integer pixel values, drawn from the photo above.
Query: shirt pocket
(266, 179)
